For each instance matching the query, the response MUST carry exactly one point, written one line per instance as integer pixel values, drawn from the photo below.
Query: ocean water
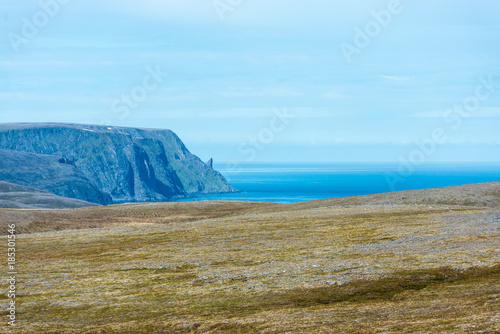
(290, 183)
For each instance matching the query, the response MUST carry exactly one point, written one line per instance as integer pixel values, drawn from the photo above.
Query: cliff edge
(104, 164)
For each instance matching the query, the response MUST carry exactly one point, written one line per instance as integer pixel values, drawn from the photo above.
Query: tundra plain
(425, 261)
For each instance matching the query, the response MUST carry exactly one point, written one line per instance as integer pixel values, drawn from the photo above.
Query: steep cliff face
(121, 164)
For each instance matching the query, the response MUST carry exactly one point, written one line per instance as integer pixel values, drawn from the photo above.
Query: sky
(264, 80)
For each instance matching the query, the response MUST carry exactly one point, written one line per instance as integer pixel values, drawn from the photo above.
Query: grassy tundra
(420, 261)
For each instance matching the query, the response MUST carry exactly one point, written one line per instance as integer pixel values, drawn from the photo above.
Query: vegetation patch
(385, 288)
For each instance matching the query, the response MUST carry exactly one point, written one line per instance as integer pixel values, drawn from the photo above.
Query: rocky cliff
(104, 164)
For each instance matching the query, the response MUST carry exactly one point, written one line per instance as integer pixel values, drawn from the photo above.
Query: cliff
(104, 164)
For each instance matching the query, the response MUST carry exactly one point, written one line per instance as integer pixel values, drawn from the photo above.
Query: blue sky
(222, 82)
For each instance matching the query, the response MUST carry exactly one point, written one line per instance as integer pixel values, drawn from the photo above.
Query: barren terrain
(425, 261)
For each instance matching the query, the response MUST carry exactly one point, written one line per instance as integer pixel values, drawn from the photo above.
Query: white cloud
(397, 78)
(334, 95)
(181, 9)
(480, 113)
(258, 92)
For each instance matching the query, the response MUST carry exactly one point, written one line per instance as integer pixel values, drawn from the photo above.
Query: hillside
(48, 173)
(104, 164)
(479, 194)
(20, 197)
(409, 262)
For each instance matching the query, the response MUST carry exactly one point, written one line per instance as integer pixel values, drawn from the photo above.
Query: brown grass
(34, 221)
(232, 267)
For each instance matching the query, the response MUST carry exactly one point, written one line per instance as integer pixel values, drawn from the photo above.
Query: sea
(298, 182)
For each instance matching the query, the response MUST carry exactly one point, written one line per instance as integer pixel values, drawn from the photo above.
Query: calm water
(289, 183)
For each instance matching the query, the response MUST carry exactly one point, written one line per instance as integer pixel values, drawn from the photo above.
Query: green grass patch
(360, 291)
(385, 288)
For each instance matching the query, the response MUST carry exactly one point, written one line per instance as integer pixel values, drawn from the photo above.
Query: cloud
(481, 113)
(185, 9)
(258, 92)
(397, 78)
(334, 95)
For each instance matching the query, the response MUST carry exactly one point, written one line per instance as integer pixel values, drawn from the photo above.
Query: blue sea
(297, 182)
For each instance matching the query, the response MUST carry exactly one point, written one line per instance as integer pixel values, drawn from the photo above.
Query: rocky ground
(411, 262)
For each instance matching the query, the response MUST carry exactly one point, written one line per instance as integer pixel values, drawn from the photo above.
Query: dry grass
(33, 221)
(218, 267)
